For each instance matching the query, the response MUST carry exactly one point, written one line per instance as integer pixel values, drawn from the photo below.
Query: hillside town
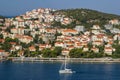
(33, 32)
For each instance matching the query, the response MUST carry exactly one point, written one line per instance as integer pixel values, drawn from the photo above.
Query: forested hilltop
(2, 17)
(86, 17)
(81, 14)
(2, 20)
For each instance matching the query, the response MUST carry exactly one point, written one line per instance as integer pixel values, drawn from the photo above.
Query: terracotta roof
(69, 30)
(2, 50)
(13, 43)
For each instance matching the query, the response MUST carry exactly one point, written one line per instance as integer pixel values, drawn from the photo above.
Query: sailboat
(66, 70)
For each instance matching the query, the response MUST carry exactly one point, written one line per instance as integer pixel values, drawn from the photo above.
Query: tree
(1, 36)
(6, 46)
(56, 24)
(101, 49)
(26, 53)
(7, 39)
(57, 51)
(76, 53)
(24, 45)
(57, 34)
(36, 39)
(14, 54)
(37, 48)
(9, 28)
(41, 41)
(46, 52)
(33, 54)
(51, 53)
(116, 54)
(94, 55)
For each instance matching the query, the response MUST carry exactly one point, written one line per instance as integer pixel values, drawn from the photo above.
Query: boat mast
(65, 63)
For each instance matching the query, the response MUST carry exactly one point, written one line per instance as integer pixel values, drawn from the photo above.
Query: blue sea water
(49, 71)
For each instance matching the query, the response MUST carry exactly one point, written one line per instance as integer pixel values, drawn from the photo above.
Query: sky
(18, 7)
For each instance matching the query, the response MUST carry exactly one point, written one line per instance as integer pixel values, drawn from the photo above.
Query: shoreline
(81, 60)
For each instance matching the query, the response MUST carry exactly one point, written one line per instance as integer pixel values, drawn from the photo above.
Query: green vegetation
(51, 53)
(2, 17)
(78, 53)
(116, 45)
(9, 28)
(45, 52)
(85, 17)
(1, 36)
(6, 45)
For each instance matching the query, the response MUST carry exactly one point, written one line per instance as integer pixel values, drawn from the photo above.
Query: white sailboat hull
(66, 71)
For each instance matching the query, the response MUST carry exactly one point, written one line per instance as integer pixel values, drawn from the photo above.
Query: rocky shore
(36, 59)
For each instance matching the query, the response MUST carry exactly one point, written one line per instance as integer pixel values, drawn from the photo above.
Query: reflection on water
(65, 76)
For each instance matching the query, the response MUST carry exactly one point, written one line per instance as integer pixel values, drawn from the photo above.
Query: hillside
(2, 20)
(2, 17)
(45, 32)
(87, 17)
(81, 14)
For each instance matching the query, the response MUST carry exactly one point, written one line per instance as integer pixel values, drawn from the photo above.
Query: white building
(79, 28)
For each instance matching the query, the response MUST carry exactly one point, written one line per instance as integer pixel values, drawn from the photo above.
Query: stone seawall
(35, 59)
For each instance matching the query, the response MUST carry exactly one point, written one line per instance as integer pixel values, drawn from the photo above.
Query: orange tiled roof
(2, 50)
(69, 30)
